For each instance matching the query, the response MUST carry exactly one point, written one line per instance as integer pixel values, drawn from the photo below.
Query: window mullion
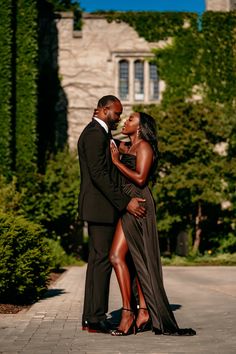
(131, 80)
(146, 81)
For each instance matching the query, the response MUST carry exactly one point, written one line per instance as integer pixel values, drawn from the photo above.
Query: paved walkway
(202, 297)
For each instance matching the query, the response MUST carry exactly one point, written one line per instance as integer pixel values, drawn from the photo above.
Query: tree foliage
(5, 88)
(196, 182)
(52, 200)
(26, 89)
(68, 5)
(192, 168)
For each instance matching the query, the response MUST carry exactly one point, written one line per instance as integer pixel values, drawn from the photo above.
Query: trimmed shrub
(59, 258)
(24, 262)
(53, 202)
(10, 197)
(228, 244)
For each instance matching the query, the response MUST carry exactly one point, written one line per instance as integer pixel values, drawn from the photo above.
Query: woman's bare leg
(117, 257)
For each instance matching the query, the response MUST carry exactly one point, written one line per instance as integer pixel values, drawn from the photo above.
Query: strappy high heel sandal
(132, 329)
(146, 326)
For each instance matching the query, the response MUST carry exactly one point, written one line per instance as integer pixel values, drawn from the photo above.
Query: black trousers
(98, 272)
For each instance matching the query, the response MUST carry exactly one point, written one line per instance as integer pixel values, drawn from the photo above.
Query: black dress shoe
(85, 325)
(99, 327)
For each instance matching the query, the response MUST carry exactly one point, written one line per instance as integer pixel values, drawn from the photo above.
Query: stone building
(104, 58)
(107, 58)
(220, 5)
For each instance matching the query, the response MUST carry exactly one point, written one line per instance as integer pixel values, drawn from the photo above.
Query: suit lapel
(98, 126)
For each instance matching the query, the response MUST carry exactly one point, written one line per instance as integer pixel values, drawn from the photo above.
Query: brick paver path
(202, 297)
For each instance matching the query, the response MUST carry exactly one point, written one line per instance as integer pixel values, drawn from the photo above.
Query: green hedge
(24, 261)
(5, 86)
(26, 89)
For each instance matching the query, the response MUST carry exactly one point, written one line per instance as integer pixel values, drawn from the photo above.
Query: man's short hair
(106, 100)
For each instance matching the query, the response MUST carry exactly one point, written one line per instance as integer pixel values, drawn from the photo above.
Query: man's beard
(112, 124)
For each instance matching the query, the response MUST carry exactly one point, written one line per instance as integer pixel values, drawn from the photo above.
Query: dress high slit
(142, 239)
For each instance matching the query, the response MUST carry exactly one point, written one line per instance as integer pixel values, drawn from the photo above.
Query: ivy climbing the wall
(200, 61)
(219, 56)
(155, 26)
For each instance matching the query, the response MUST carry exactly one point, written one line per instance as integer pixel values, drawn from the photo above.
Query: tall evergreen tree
(26, 89)
(5, 87)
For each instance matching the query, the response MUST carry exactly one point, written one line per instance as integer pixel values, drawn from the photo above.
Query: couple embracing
(118, 206)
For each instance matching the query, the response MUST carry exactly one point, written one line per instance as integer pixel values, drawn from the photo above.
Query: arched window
(138, 80)
(153, 82)
(124, 80)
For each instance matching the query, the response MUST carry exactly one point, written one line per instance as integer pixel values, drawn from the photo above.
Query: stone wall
(220, 5)
(88, 64)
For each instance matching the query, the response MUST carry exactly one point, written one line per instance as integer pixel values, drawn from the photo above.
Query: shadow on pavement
(53, 292)
(115, 316)
(175, 307)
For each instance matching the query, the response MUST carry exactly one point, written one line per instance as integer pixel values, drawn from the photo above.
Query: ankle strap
(142, 308)
(127, 309)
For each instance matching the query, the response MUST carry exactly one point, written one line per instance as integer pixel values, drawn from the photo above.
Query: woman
(139, 235)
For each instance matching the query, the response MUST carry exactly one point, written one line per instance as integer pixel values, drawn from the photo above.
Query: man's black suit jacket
(101, 199)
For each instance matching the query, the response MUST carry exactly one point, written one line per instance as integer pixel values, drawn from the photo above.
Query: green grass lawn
(225, 259)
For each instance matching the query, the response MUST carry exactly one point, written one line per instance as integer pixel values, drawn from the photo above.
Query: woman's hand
(123, 147)
(115, 155)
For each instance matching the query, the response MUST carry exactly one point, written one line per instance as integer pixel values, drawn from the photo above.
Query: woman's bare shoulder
(144, 145)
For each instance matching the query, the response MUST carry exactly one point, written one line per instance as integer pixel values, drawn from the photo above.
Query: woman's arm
(144, 159)
(123, 146)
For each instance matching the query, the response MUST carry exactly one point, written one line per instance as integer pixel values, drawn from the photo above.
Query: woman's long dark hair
(148, 132)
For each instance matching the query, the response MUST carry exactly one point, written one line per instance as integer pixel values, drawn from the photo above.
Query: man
(101, 201)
